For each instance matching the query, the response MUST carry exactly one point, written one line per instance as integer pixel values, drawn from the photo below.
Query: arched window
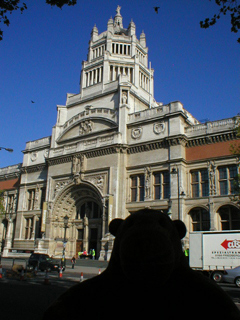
(200, 219)
(89, 208)
(229, 218)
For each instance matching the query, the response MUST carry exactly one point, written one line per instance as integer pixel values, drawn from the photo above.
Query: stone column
(85, 233)
(33, 227)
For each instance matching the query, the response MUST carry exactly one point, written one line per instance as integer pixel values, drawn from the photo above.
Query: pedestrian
(93, 254)
(73, 261)
(186, 252)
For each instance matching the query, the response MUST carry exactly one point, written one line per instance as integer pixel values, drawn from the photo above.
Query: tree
(2, 208)
(8, 6)
(231, 7)
(235, 149)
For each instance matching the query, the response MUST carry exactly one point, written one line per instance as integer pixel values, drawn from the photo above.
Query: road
(29, 298)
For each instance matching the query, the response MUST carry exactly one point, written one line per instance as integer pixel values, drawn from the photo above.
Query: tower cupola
(118, 20)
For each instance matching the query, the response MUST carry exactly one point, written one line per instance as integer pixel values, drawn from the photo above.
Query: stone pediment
(88, 123)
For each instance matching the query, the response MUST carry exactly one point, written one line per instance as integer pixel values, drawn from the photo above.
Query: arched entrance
(229, 217)
(200, 219)
(83, 205)
(89, 226)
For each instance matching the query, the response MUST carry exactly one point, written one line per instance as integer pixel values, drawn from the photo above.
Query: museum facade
(115, 150)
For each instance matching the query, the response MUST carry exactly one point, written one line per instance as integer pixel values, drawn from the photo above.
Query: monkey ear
(114, 226)
(181, 228)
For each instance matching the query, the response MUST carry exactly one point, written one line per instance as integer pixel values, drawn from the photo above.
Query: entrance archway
(89, 232)
(83, 205)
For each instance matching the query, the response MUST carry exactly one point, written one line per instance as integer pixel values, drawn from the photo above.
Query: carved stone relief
(85, 127)
(99, 181)
(159, 127)
(34, 156)
(124, 97)
(59, 187)
(147, 174)
(137, 133)
(212, 177)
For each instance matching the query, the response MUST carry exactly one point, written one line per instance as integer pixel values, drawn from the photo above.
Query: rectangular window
(10, 204)
(31, 199)
(199, 183)
(195, 184)
(161, 185)
(28, 227)
(137, 188)
(43, 195)
(227, 180)
(204, 183)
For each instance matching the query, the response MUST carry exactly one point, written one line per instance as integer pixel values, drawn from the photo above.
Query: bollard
(99, 271)
(81, 278)
(60, 272)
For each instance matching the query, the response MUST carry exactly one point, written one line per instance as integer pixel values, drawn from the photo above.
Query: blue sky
(43, 49)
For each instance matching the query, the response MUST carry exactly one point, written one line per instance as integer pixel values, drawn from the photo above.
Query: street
(30, 297)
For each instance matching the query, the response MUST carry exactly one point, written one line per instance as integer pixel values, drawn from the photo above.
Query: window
(227, 179)
(199, 183)
(229, 218)
(28, 228)
(43, 194)
(31, 199)
(137, 188)
(161, 185)
(91, 209)
(10, 203)
(200, 219)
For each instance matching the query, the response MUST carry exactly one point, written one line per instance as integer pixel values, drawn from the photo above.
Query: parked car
(44, 262)
(232, 276)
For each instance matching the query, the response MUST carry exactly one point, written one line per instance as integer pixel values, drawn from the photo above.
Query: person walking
(73, 261)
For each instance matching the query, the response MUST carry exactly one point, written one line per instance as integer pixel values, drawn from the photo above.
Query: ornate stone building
(115, 150)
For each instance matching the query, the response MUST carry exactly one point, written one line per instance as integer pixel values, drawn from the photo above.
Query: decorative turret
(94, 33)
(116, 55)
(143, 39)
(118, 25)
(110, 25)
(131, 28)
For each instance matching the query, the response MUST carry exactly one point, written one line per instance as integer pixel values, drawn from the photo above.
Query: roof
(9, 184)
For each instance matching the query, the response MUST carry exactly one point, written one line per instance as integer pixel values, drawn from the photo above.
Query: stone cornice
(209, 139)
(35, 168)
(159, 144)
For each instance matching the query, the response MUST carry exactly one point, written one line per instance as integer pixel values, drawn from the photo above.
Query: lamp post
(7, 149)
(176, 171)
(65, 222)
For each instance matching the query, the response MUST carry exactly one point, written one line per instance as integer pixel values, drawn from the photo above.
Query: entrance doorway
(79, 247)
(93, 239)
(89, 214)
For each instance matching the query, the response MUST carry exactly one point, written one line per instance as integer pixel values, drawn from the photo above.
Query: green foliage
(8, 6)
(2, 209)
(235, 147)
(227, 6)
(61, 3)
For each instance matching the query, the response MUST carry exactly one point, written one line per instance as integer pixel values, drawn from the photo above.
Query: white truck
(214, 251)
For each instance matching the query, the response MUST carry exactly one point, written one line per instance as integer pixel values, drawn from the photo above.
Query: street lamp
(7, 149)
(176, 171)
(65, 222)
